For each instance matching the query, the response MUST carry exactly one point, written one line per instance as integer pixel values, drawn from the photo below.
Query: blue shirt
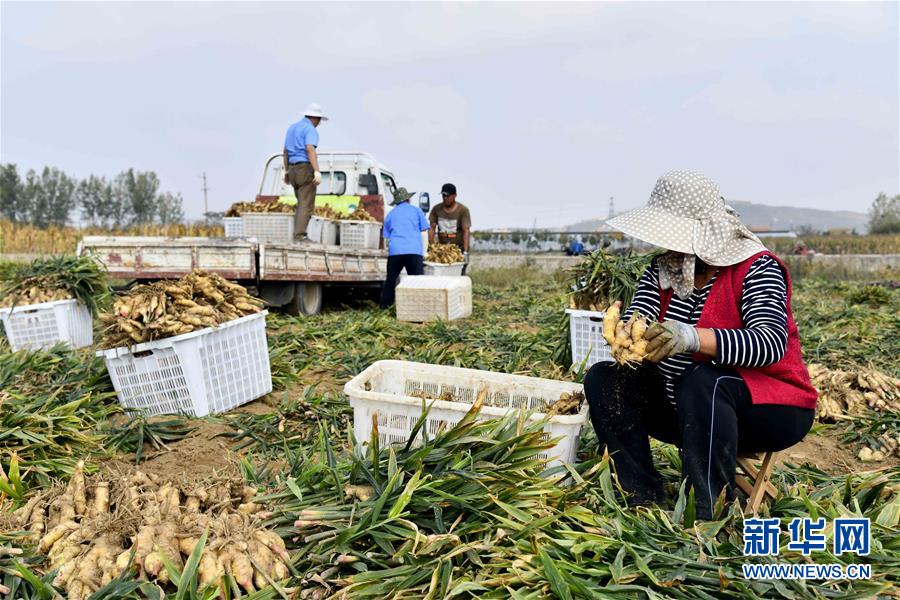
(403, 228)
(299, 135)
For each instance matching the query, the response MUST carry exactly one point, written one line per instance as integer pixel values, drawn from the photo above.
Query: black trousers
(712, 420)
(413, 263)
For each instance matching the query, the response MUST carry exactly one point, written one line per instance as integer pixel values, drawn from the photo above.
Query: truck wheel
(307, 299)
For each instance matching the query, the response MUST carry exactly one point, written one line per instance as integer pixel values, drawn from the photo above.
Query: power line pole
(205, 197)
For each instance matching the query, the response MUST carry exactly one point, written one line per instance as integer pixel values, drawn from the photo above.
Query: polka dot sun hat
(686, 213)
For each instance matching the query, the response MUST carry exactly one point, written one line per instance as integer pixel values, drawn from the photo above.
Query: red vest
(785, 382)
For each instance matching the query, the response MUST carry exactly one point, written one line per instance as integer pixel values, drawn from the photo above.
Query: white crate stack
(40, 326)
(360, 234)
(234, 227)
(204, 372)
(444, 270)
(384, 391)
(269, 227)
(586, 335)
(428, 297)
(323, 231)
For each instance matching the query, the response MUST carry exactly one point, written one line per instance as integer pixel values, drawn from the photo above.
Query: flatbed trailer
(285, 274)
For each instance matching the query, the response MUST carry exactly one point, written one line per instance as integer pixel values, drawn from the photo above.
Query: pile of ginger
(93, 530)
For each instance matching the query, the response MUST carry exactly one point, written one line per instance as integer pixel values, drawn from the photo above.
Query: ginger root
(626, 339)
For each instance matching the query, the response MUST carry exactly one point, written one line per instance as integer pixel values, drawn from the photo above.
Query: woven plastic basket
(428, 297)
(384, 390)
(204, 372)
(40, 326)
(586, 335)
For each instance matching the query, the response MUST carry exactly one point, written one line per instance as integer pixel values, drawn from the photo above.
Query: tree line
(52, 197)
(884, 215)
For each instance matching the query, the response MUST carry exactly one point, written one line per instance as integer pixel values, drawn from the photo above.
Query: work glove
(317, 178)
(669, 338)
(466, 257)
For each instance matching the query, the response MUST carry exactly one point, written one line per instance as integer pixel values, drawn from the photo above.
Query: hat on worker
(448, 188)
(401, 195)
(687, 214)
(314, 110)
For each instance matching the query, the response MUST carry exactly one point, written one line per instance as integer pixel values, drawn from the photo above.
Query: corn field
(468, 512)
(838, 244)
(28, 239)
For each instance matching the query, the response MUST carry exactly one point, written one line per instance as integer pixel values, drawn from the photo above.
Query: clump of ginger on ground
(89, 530)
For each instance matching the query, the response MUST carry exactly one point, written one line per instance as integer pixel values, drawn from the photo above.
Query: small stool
(754, 480)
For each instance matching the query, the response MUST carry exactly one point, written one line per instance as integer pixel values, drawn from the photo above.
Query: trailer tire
(307, 300)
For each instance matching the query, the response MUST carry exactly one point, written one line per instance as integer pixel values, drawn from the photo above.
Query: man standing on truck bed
(450, 221)
(301, 166)
(404, 229)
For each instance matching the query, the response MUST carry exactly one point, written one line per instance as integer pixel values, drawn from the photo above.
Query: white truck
(284, 274)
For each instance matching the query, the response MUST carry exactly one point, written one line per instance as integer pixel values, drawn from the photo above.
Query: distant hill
(776, 217)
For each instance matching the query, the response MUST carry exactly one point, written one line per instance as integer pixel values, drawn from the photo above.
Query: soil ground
(825, 450)
(196, 457)
(206, 452)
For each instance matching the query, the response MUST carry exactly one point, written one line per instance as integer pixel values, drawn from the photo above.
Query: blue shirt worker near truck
(403, 228)
(301, 166)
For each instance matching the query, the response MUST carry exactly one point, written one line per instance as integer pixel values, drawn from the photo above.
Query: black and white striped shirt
(761, 342)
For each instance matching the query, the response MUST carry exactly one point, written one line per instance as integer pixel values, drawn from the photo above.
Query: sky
(538, 112)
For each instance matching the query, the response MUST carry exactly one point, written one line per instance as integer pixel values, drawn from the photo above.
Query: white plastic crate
(586, 334)
(428, 297)
(444, 270)
(322, 231)
(269, 227)
(360, 234)
(385, 389)
(40, 326)
(234, 227)
(199, 373)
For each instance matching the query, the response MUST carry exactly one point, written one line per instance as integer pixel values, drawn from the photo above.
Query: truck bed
(132, 257)
(288, 262)
(138, 257)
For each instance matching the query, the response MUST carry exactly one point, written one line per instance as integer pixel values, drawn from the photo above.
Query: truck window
(334, 183)
(389, 187)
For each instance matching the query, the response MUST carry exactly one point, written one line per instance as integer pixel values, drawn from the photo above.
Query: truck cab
(349, 180)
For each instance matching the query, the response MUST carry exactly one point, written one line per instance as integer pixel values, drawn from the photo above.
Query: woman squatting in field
(723, 374)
